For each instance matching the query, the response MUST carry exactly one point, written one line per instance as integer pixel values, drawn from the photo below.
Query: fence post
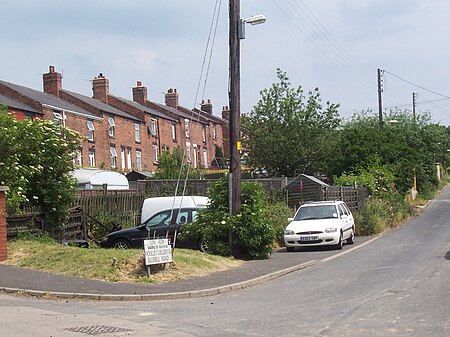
(3, 239)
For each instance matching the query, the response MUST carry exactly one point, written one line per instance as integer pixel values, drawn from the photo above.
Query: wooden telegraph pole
(380, 104)
(235, 110)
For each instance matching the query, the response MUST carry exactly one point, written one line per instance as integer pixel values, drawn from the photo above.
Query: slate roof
(5, 100)
(102, 106)
(174, 111)
(209, 116)
(144, 108)
(47, 99)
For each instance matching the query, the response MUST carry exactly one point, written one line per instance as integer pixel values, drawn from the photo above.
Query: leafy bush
(277, 215)
(253, 233)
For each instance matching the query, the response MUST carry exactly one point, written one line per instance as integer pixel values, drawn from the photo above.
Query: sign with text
(157, 251)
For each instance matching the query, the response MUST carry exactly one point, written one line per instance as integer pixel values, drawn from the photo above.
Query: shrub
(277, 215)
(253, 233)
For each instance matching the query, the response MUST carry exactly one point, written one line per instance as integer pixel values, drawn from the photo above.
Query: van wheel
(202, 246)
(121, 244)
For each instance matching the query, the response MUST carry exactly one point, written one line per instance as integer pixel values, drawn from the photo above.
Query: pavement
(14, 280)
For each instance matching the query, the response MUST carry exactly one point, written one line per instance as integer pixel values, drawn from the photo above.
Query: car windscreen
(316, 212)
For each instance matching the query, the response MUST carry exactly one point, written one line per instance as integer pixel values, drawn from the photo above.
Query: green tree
(36, 163)
(288, 133)
(170, 165)
(409, 148)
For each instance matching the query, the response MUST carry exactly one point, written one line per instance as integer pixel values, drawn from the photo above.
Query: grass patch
(97, 263)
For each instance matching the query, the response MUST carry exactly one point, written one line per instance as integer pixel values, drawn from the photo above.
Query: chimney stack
(207, 106)
(226, 113)
(140, 93)
(172, 98)
(52, 82)
(100, 88)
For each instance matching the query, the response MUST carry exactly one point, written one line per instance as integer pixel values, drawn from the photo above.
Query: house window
(137, 135)
(174, 132)
(90, 128)
(122, 158)
(79, 161)
(112, 126)
(186, 127)
(155, 153)
(113, 153)
(204, 134)
(139, 160)
(57, 121)
(129, 159)
(214, 131)
(188, 152)
(205, 158)
(91, 157)
(153, 127)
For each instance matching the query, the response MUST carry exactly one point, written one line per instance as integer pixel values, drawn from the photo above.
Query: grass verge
(97, 263)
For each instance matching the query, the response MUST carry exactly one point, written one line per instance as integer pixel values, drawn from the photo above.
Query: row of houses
(122, 134)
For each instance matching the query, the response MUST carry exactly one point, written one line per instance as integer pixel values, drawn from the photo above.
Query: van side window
(183, 217)
(162, 218)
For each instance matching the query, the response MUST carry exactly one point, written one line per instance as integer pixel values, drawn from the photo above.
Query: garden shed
(304, 188)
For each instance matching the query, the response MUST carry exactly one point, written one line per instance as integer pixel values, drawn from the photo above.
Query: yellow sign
(238, 146)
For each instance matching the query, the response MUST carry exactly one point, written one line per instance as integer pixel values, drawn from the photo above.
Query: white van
(151, 206)
(161, 216)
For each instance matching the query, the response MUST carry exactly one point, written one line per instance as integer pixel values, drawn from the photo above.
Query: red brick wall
(3, 242)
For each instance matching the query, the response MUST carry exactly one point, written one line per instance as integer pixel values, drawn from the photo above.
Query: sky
(334, 45)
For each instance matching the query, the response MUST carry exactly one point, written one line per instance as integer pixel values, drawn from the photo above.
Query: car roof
(318, 203)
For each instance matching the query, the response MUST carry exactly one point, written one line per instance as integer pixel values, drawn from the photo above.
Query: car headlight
(331, 230)
(288, 232)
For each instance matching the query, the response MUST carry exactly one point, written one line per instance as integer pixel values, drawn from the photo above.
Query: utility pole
(414, 97)
(235, 109)
(380, 104)
(235, 118)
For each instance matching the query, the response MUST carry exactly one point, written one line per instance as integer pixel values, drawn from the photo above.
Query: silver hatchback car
(320, 223)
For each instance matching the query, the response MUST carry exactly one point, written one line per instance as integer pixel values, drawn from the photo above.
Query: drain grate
(97, 329)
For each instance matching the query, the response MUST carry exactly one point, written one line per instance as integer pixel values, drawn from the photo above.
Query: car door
(347, 221)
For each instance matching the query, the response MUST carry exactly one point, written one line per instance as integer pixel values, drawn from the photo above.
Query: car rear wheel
(203, 246)
(351, 239)
(122, 244)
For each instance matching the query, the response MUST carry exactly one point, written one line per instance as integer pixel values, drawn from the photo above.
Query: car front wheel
(340, 244)
(122, 244)
(203, 246)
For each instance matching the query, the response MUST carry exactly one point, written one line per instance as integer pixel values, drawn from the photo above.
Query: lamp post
(236, 33)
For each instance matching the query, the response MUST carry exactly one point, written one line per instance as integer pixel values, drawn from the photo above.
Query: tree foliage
(36, 163)
(288, 132)
(409, 148)
(173, 166)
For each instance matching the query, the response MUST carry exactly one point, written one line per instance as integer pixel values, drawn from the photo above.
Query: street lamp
(236, 33)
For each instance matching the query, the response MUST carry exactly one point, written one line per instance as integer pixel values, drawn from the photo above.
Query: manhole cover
(97, 329)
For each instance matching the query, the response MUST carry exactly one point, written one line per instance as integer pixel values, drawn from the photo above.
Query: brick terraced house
(121, 134)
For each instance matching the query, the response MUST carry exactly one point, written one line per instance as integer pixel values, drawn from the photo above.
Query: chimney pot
(139, 83)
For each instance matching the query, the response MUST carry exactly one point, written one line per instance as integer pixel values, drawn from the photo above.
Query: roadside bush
(253, 233)
(277, 215)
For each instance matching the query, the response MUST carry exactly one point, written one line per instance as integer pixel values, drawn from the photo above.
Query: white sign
(157, 251)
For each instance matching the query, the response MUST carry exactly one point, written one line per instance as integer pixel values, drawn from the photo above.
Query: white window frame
(129, 159)
(155, 154)
(91, 156)
(113, 153)
(91, 129)
(122, 158)
(174, 132)
(138, 160)
(58, 120)
(111, 125)
(137, 134)
(153, 126)
(214, 131)
(186, 127)
(205, 158)
(204, 134)
(188, 152)
(79, 160)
